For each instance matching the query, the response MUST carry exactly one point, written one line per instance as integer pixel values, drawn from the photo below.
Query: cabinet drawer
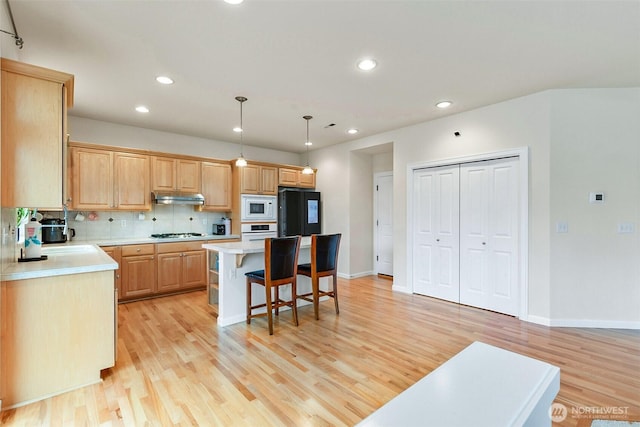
(131, 250)
(165, 248)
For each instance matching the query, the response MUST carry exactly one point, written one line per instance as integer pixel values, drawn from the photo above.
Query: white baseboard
(583, 323)
(355, 275)
(401, 289)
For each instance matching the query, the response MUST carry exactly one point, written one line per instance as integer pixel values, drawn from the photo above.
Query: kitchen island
(58, 323)
(229, 262)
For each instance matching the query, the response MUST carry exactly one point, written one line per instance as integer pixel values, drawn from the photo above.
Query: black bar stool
(280, 261)
(324, 263)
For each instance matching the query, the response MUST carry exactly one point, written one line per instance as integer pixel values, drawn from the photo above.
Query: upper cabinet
(168, 174)
(109, 180)
(293, 177)
(258, 179)
(34, 120)
(216, 186)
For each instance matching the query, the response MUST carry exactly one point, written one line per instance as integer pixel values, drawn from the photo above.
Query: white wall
(361, 214)
(578, 141)
(595, 146)
(105, 133)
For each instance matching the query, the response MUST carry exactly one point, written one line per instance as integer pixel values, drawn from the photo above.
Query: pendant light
(307, 169)
(240, 161)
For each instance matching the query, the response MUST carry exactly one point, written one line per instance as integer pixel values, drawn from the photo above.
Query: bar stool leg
(335, 292)
(294, 302)
(315, 285)
(269, 308)
(248, 301)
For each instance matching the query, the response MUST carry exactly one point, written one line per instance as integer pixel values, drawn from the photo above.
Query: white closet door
(489, 212)
(436, 226)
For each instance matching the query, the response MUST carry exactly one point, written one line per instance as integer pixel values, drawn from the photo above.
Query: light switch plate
(562, 227)
(626, 227)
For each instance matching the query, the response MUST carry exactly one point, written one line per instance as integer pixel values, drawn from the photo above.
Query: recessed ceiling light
(233, 1)
(352, 131)
(444, 104)
(142, 109)
(237, 129)
(308, 143)
(367, 64)
(164, 80)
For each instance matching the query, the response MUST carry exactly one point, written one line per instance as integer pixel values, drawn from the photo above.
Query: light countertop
(62, 260)
(144, 240)
(242, 248)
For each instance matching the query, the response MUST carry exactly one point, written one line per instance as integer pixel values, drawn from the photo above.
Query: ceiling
(293, 58)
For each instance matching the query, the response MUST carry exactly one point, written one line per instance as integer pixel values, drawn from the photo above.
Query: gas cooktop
(175, 235)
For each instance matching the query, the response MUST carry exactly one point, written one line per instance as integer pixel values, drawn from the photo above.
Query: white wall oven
(258, 208)
(259, 231)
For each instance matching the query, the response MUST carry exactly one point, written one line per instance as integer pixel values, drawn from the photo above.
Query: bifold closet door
(436, 232)
(489, 217)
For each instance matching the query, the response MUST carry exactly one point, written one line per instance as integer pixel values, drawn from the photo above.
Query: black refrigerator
(299, 212)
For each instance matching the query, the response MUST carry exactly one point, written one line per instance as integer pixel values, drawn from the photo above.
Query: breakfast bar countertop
(243, 248)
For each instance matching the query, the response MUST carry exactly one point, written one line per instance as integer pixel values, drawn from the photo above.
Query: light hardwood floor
(175, 367)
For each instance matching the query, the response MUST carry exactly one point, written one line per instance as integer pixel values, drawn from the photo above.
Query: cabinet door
(194, 269)
(287, 177)
(188, 176)
(250, 179)
(163, 173)
(91, 179)
(132, 188)
(138, 276)
(306, 181)
(269, 180)
(32, 141)
(216, 186)
(169, 272)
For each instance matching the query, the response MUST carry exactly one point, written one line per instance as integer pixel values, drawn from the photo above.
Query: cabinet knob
(484, 243)
(138, 250)
(437, 240)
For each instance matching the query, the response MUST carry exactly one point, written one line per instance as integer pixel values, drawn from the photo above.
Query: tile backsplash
(161, 219)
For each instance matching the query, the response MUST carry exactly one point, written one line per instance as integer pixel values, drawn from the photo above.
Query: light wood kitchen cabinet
(131, 181)
(34, 121)
(91, 178)
(216, 186)
(138, 271)
(58, 334)
(115, 253)
(290, 177)
(258, 179)
(108, 180)
(181, 266)
(168, 174)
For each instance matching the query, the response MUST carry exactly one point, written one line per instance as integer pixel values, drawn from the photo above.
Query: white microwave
(258, 208)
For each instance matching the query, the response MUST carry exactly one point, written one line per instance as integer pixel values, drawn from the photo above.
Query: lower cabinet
(181, 266)
(149, 270)
(138, 277)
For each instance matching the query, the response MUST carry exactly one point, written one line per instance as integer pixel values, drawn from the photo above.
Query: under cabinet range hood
(169, 198)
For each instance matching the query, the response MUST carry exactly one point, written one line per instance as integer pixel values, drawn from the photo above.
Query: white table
(234, 260)
(482, 386)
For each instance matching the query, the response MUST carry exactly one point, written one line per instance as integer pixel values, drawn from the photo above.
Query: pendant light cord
(19, 41)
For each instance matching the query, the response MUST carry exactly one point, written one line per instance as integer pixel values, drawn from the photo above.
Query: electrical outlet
(123, 223)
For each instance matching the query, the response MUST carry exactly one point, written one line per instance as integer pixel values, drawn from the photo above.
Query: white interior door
(436, 232)
(384, 224)
(489, 213)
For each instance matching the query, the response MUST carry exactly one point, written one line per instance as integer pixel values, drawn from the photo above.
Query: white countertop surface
(242, 248)
(143, 240)
(62, 260)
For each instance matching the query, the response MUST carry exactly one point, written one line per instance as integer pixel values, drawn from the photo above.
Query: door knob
(437, 240)
(484, 243)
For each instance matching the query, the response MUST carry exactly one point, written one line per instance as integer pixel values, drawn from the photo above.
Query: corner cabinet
(34, 128)
(216, 186)
(108, 180)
